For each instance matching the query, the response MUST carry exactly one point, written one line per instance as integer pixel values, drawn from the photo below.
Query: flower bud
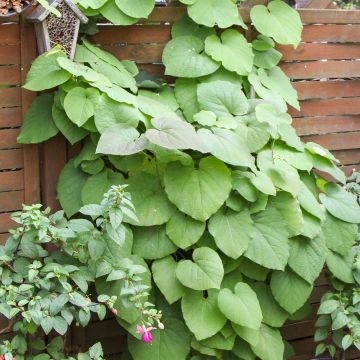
(114, 311)
(161, 326)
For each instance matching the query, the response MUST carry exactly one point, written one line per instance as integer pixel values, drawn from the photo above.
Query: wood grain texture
(10, 97)
(11, 200)
(10, 54)
(8, 139)
(9, 34)
(331, 33)
(11, 159)
(10, 75)
(11, 180)
(10, 117)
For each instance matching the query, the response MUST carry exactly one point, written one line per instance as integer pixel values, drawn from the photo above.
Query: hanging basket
(11, 8)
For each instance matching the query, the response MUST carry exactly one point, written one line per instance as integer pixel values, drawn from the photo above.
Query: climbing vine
(231, 218)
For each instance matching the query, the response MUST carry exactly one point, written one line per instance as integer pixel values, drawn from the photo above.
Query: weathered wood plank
(10, 117)
(348, 157)
(6, 223)
(327, 89)
(9, 34)
(11, 180)
(8, 139)
(331, 33)
(10, 97)
(10, 54)
(330, 69)
(11, 159)
(11, 200)
(315, 51)
(340, 141)
(326, 124)
(10, 75)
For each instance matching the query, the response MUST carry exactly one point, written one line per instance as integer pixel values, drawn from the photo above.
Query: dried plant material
(8, 7)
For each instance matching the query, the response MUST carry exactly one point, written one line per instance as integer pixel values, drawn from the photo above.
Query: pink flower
(145, 333)
(114, 311)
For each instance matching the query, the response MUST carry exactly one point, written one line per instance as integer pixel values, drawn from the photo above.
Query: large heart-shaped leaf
(339, 235)
(276, 81)
(186, 96)
(222, 98)
(45, 72)
(79, 104)
(340, 203)
(38, 121)
(223, 13)
(263, 349)
(121, 139)
(183, 230)
(174, 134)
(307, 257)
(205, 272)
(269, 245)
(232, 231)
(290, 290)
(203, 190)
(273, 314)
(150, 201)
(290, 210)
(152, 242)
(202, 315)
(232, 50)
(341, 266)
(69, 186)
(241, 307)
(171, 343)
(112, 12)
(227, 146)
(163, 271)
(136, 8)
(78, 69)
(278, 21)
(309, 202)
(184, 57)
(185, 26)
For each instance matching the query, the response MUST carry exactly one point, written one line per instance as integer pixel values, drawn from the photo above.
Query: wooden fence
(325, 69)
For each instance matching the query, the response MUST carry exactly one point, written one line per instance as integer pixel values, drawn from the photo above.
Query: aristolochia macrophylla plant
(231, 219)
(43, 293)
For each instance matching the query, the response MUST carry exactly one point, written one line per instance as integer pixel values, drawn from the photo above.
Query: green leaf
(121, 139)
(279, 21)
(340, 203)
(267, 336)
(219, 341)
(263, 183)
(251, 336)
(157, 209)
(152, 242)
(290, 290)
(205, 272)
(267, 59)
(340, 236)
(69, 187)
(326, 165)
(206, 118)
(309, 202)
(97, 185)
(109, 113)
(79, 104)
(232, 50)
(273, 314)
(60, 325)
(163, 271)
(183, 230)
(227, 146)
(222, 98)
(253, 270)
(312, 225)
(184, 57)
(276, 81)
(307, 257)
(185, 26)
(328, 306)
(232, 231)
(269, 244)
(186, 96)
(174, 134)
(242, 350)
(241, 307)
(111, 12)
(72, 132)
(45, 72)
(78, 69)
(136, 8)
(223, 13)
(289, 209)
(202, 315)
(38, 123)
(171, 343)
(204, 190)
(341, 266)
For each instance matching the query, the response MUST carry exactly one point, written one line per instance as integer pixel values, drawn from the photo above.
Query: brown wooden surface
(325, 70)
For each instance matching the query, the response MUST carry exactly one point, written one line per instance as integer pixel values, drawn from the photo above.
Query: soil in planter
(8, 7)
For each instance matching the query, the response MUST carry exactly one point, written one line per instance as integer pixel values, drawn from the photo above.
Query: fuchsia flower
(145, 333)
(114, 311)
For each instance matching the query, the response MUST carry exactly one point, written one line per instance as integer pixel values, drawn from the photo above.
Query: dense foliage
(338, 325)
(229, 215)
(43, 293)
